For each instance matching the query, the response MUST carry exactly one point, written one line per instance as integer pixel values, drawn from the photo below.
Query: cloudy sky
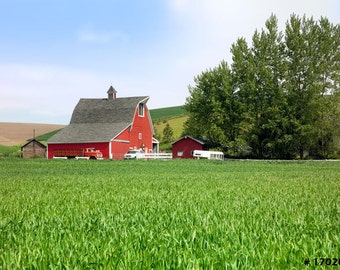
(54, 52)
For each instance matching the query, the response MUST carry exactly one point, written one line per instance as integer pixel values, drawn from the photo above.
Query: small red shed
(184, 147)
(111, 125)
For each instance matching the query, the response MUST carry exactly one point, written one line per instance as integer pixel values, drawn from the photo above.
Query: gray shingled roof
(98, 120)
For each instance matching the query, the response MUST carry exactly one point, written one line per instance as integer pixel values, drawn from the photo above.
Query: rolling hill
(174, 116)
(18, 133)
(167, 112)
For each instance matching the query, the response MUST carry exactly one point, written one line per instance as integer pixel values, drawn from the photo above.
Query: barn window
(140, 109)
(180, 154)
(140, 136)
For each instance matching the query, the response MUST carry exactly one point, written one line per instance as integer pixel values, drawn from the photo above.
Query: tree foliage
(279, 97)
(168, 133)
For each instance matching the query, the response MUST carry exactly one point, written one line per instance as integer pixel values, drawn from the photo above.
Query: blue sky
(54, 52)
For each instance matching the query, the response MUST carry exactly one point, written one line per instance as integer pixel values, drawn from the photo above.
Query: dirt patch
(19, 133)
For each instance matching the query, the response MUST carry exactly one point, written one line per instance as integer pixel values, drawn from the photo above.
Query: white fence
(155, 156)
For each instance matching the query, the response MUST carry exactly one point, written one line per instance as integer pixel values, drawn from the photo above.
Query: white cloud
(50, 93)
(101, 37)
(208, 28)
(180, 5)
(213, 22)
(47, 90)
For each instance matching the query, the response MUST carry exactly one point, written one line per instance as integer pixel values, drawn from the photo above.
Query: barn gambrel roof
(99, 120)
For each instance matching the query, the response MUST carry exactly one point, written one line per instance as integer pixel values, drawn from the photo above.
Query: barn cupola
(111, 93)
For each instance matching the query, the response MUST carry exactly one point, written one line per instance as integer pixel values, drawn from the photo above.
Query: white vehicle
(134, 154)
(208, 154)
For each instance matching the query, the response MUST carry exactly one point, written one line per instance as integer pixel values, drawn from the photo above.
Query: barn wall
(103, 147)
(119, 149)
(185, 146)
(33, 149)
(141, 131)
(136, 137)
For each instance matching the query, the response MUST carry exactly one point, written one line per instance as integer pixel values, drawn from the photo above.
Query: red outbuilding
(184, 147)
(111, 125)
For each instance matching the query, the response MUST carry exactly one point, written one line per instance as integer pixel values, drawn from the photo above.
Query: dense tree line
(279, 98)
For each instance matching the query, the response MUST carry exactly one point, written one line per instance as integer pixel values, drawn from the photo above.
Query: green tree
(258, 74)
(280, 97)
(328, 90)
(212, 107)
(168, 133)
(312, 56)
(243, 83)
(266, 102)
(300, 47)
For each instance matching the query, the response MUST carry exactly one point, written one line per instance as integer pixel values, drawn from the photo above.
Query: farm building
(111, 125)
(184, 147)
(33, 149)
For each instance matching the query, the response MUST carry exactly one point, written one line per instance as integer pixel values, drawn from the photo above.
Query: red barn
(184, 147)
(111, 125)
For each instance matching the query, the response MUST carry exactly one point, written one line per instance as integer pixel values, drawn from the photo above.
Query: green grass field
(168, 112)
(177, 214)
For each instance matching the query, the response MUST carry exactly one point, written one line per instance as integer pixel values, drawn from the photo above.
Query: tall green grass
(10, 151)
(178, 214)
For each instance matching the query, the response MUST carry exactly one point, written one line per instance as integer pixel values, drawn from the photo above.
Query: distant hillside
(14, 135)
(174, 116)
(46, 136)
(19, 133)
(176, 123)
(168, 112)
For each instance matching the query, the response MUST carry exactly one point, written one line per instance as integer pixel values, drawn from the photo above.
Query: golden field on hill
(19, 133)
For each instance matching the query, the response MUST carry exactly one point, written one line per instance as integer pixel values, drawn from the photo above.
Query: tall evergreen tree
(312, 54)
(243, 83)
(268, 104)
(327, 86)
(300, 46)
(168, 133)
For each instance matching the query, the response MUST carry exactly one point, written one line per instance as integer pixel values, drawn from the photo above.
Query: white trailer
(208, 154)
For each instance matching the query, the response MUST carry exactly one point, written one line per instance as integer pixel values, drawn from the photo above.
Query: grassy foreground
(178, 214)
